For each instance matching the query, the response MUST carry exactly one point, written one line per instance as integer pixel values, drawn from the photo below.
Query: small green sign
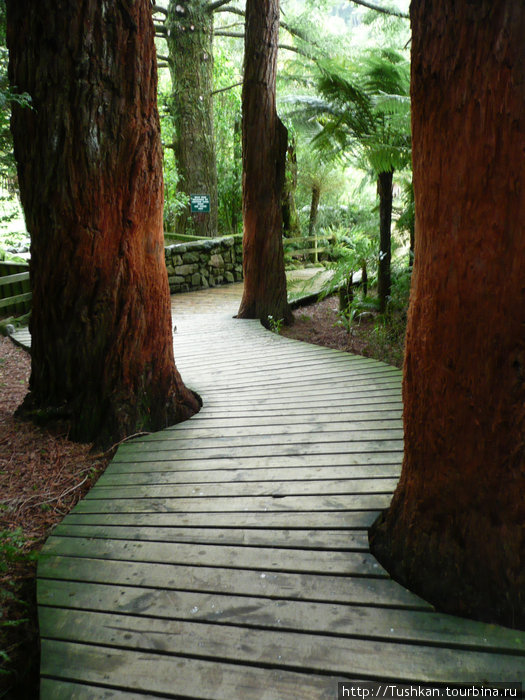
(200, 203)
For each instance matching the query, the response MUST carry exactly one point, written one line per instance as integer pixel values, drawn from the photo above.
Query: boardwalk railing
(308, 247)
(15, 288)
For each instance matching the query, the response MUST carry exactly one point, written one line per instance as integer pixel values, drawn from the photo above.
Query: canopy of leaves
(365, 109)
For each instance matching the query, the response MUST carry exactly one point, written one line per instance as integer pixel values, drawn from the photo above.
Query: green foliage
(227, 127)
(6, 256)
(13, 548)
(397, 303)
(387, 340)
(349, 253)
(406, 222)
(8, 97)
(366, 110)
(275, 325)
(382, 335)
(360, 307)
(15, 240)
(175, 201)
(387, 30)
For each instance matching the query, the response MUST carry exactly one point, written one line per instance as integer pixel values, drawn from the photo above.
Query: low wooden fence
(15, 288)
(308, 248)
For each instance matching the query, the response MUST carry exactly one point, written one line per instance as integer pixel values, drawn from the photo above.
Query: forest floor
(320, 323)
(43, 475)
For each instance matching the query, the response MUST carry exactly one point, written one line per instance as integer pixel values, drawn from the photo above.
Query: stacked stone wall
(203, 264)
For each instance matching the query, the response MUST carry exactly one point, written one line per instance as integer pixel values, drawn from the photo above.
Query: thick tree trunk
(455, 531)
(264, 158)
(190, 46)
(89, 165)
(384, 282)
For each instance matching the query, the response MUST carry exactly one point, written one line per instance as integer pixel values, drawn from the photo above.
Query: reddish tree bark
(264, 159)
(455, 531)
(89, 164)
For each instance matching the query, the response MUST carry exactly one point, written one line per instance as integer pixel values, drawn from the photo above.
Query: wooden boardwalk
(227, 557)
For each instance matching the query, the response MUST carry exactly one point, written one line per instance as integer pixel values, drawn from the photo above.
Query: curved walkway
(227, 557)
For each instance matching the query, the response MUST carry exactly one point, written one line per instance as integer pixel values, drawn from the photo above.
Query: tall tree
(455, 531)
(264, 139)
(188, 27)
(189, 36)
(89, 167)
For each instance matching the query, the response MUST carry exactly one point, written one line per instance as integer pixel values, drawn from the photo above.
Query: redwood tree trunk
(384, 279)
(264, 159)
(89, 164)
(455, 531)
(190, 46)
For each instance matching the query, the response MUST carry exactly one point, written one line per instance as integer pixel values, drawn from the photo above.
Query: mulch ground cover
(42, 476)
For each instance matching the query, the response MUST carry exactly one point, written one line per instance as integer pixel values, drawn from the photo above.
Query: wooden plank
(205, 420)
(359, 401)
(390, 407)
(263, 436)
(339, 384)
(318, 373)
(178, 677)
(256, 558)
(251, 488)
(306, 400)
(240, 504)
(295, 356)
(371, 623)
(269, 418)
(306, 252)
(344, 379)
(351, 366)
(222, 476)
(126, 461)
(275, 363)
(17, 299)
(10, 279)
(293, 353)
(360, 590)
(280, 650)
(327, 520)
(170, 449)
(340, 540)
(53, 689)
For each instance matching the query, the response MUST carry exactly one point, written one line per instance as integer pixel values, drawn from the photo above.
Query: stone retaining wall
(203, 264)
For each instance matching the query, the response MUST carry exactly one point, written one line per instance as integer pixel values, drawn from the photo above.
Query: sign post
(200, 203)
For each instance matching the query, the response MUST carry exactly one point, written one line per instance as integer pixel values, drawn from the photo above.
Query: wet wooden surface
(227, 557)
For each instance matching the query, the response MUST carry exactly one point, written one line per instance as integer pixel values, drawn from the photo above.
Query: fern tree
(364, 113)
